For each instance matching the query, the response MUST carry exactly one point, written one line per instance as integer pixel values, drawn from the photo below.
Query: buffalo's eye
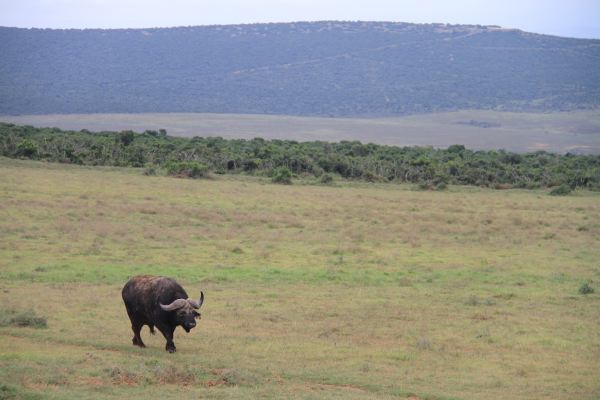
(196, 314)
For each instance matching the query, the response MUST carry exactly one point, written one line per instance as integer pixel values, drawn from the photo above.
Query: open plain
(559, 132)
(348, 291)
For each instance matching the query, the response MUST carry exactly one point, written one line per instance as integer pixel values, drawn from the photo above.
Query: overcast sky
(574, 18)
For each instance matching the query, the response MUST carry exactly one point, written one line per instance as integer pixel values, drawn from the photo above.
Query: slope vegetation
(318, 69)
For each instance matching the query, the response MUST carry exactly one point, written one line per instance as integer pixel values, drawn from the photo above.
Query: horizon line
(499, 27)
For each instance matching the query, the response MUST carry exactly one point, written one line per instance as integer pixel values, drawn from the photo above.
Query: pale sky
(573, 18)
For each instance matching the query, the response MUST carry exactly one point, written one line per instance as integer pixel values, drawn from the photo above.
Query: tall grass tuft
(22, 319)
(7, 392)
(585, 288)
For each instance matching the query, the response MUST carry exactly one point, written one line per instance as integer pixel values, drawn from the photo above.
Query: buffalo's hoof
(171, 349)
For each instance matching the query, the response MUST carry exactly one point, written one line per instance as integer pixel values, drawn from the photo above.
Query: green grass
(561, 132)
(344, 291)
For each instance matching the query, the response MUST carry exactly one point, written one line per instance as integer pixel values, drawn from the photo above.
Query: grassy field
(479, 130)
(354, 291)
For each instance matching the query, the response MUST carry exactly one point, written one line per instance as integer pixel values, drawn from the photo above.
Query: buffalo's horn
(174, 305)
(197, 304)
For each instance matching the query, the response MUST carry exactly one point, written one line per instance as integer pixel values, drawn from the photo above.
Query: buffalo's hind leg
(136, 326)
(137, 339)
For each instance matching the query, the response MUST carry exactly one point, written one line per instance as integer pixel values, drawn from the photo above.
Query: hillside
(311, 69)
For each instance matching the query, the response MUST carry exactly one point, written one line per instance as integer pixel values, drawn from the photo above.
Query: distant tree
(126, 137)
(27, 148)
(456, 148)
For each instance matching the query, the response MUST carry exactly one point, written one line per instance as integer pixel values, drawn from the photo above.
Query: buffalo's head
(185, 311)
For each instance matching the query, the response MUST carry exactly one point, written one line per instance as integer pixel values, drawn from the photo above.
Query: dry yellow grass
(356, 291)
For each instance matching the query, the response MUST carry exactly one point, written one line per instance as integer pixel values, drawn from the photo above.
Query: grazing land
(560, 132)
(353, 291)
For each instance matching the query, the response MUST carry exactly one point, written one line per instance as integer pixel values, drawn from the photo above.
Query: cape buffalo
(161, 302)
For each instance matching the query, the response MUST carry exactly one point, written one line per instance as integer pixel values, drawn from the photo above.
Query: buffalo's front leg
(167, 332)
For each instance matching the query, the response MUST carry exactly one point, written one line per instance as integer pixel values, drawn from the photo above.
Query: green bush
(150, 170)
(371, 177)
(282, 175)
(561, 190)
(585, 288)
(187, 169)
(425, 185)
(441, 186)
(326, 179)
(440, 181)
(27, 148)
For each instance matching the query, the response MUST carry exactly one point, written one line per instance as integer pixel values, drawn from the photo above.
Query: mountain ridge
(325, 68)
